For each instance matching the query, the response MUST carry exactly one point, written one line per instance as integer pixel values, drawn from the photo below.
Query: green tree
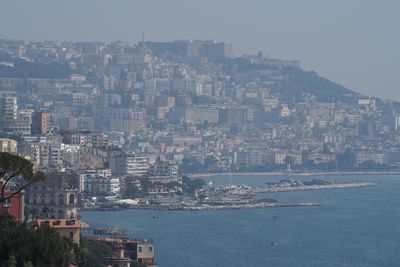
(192, 165)
(209, 161)
(146, 185)
(132, 191)
(95, 252)
(40, 247)
(12, 262)
(17, 171)
(346, 160)
(138, 264)
(190, 186)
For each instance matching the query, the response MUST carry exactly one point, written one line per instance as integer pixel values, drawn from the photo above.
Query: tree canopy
(24, 246)
(25, 69)
(16, 173)
(190, 186)
(95, 252)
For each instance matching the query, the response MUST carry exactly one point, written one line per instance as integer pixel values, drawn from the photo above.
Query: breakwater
(274, 189)
(252, 206)
(239, 197)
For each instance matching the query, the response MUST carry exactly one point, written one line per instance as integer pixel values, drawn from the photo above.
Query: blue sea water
(352, 227)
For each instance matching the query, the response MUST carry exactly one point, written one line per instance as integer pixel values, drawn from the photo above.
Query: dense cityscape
(191, 103)
(117, 125)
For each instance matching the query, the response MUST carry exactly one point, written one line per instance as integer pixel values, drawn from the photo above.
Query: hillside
(297, 82)
(288, 82)
(25, 69)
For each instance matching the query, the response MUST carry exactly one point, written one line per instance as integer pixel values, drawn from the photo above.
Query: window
(60, 214)
(71, 235)
(140, 249)
(72, 199)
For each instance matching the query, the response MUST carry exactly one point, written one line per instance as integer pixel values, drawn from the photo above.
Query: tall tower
(397, 122)
(40, 122)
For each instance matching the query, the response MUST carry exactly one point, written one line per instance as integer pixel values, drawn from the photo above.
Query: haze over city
(350, 42)
(199, 133)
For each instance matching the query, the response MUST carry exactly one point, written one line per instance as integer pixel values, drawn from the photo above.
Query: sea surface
(352, 227)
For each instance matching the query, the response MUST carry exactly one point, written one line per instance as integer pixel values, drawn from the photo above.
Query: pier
(274, 189)
(257, 205)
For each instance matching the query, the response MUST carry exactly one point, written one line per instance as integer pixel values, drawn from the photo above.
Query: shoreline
(251, 205)
(311, 187)
(261, 205)
(301, 174)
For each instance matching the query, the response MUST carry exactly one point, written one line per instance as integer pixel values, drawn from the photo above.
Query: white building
(136, 165)
(95, 182)
(115, 184)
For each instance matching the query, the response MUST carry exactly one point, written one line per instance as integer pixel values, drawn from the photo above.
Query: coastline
(300, 174)
(259, 205)
(253, 204)
(234, 207)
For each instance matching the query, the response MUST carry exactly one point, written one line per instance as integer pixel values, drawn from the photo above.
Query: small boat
(275, 217)
(155, 217)
(274, 244)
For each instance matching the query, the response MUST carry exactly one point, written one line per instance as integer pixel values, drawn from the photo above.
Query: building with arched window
(54, 198)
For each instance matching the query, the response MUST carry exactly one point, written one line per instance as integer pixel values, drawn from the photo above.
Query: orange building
(69, 228)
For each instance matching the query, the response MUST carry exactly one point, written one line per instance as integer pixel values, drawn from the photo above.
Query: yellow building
(69, 228)
(8, 145)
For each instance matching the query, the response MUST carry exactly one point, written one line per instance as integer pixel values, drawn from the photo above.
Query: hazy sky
(354, 43)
